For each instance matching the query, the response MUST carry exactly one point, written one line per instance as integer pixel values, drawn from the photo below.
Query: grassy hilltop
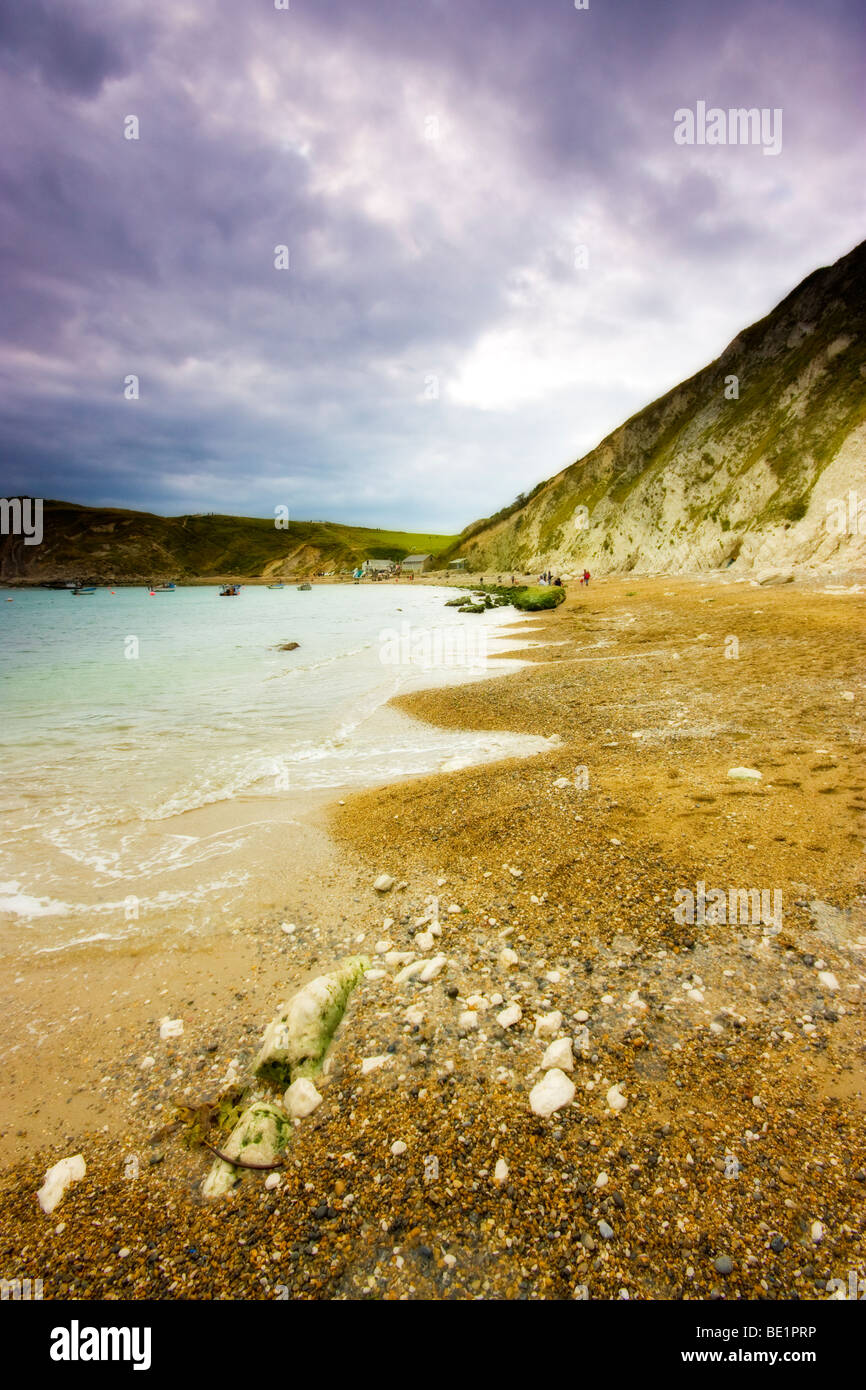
(115, 545)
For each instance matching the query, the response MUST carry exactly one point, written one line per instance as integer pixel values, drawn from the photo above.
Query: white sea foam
(106, 760)
(20, 904)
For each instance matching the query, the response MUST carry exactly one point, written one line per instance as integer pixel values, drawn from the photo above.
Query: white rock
(500, 1172)
(410, 971)
(398, 1148)
(383, 946)
(551, 1093)
(272, 1181)
(615, 1099)
(259, 1137)
(432, 968)
(170, 1028)
(288, 928)
(388, 924)
(558, 1054)
(562, 782)
(508, 1017)
(548, 1025)
(828, 979)
(602, 1180)
(414, 1015)
(146, 1063)
(383, 883)
(60, 1176)
(454, 909)
(816, 1232)
(231, 1075)
(744, 774)
(581, 1016)
(301, 1098)
(695, 995)
(425, 940)
(467, 1020)
(302, 1029)
(507, 957)
(399, 957)
(369, 1064)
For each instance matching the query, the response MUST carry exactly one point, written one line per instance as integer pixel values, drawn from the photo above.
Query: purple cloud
(496, 250)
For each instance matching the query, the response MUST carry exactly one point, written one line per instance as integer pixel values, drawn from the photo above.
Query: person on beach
(586, 578)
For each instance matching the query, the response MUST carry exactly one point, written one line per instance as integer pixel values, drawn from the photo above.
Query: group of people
(547, 578)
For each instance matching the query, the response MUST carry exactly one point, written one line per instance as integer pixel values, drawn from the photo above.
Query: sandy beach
(737, 1166)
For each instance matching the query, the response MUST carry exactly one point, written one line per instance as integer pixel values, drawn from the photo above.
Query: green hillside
(112, 545)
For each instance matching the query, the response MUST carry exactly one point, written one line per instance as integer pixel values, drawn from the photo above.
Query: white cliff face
(757, 462)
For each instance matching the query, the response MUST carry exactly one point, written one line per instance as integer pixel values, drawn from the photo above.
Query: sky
(495, 249)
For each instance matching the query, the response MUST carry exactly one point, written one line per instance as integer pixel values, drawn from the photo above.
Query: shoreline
(99, 972)
(794, 576)
(582, 906)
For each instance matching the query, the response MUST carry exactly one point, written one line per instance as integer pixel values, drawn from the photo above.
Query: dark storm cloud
(61, 48)
(433, 167)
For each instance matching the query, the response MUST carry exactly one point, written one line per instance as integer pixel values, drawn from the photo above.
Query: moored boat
(230, 591)
(81, 591)
(302, 587)
(277, 586)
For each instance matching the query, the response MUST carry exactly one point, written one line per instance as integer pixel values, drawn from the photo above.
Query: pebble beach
(558, 1080)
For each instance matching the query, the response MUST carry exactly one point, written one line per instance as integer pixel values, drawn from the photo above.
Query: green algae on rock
(295, 1042)
(257, 1140)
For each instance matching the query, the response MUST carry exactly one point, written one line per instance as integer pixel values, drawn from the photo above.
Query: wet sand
(742, 1139)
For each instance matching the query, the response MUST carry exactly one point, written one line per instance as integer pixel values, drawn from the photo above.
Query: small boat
(276, 586)
(230, 590)
(82, 591)
(302, 587)
(164, 588)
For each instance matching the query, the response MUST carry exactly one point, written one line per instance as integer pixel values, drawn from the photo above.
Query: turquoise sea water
(108, 755)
